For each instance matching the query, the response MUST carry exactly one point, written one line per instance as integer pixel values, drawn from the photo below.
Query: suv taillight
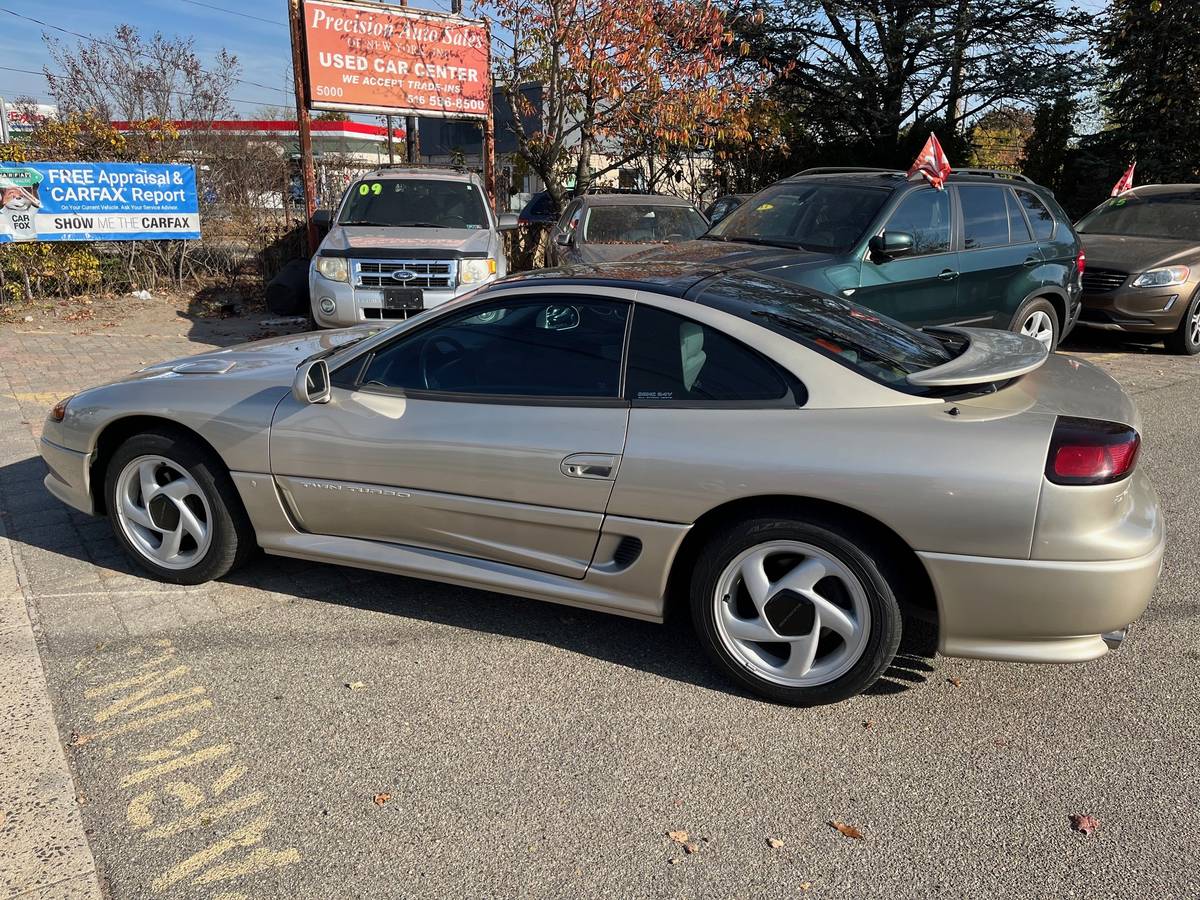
(1080, 261)
(1089, 451)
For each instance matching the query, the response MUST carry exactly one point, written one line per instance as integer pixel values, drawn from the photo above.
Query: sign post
(308, 175)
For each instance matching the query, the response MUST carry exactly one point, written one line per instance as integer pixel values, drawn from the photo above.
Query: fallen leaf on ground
(954, 681)
(805, 885)
(868, 723)
(848, 830)
(381, 799)
(1084, 824)
(356, 685)
(674, 860)
(679, 837)
(774, 843)
(691, 848)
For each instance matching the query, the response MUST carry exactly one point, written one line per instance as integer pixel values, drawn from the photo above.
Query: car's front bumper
(1024, 610)
(1139, 310)
(353, 306)
(69, 478)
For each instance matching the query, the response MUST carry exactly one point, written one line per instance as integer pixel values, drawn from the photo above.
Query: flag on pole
(931, 162)
(1126, 181)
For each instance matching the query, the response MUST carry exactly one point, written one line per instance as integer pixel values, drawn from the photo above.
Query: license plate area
(403, 298)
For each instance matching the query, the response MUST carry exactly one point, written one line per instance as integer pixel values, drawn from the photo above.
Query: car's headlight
(333, 267)
(1164, 277)
(473, 271)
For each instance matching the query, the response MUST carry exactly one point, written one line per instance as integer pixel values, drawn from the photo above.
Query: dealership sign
(72, 201)
(387, 59)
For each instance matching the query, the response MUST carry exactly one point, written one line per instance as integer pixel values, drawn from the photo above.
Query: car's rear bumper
(69, 476)
(1023, 610)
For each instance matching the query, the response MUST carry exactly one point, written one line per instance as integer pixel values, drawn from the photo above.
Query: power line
(234, 12)
(90, 37)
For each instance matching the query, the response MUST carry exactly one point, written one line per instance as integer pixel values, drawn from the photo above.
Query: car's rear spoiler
(991, 355)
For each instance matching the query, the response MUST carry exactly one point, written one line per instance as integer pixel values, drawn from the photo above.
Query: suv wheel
(1038, 319)
(795, 611)
(1186, 339)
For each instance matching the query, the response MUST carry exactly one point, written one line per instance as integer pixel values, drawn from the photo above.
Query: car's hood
(602, 253)
(1136, 254)
(360, 240)
(733, 254)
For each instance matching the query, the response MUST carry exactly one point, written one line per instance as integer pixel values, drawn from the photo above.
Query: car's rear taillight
(1080, 261)
(1089, 451)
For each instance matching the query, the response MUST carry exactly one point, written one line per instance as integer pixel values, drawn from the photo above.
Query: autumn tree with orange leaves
(621, 78)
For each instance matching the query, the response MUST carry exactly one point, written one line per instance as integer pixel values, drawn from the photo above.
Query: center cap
(790, 614)
(163, 513)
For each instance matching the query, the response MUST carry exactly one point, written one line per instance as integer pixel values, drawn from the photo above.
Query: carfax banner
(75, 201)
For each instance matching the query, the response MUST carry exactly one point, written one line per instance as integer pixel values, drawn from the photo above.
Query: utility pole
(303, 124)
(391, 143)
(489, 124)
(412, 142)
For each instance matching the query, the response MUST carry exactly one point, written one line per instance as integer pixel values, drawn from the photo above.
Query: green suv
(993, 249)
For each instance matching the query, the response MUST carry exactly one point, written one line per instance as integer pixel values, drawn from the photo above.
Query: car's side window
(985, 217)
(569, 213)
(1018, 231)
(924, 214)
(552, 347)
(674, 361)
(1039, 217)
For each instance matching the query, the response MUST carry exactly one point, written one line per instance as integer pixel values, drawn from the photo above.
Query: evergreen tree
(1046, 150)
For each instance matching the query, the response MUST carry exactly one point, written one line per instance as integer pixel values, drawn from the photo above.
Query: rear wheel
(175, 510)
(796, 611)
(1038, 319)
(1186, 338)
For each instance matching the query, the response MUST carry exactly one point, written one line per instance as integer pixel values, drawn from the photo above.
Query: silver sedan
(793, 470)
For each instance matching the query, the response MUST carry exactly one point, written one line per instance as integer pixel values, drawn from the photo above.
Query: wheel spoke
(190, 524)
(754, 576)
(177, 490)
(146, 473)
(747, 629)
(135, 513)
(804, 651)
(833, 616)
(170, 543)
(803, 578)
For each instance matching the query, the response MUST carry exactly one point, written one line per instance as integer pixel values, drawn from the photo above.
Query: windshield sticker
(656, 395)
(762, 207)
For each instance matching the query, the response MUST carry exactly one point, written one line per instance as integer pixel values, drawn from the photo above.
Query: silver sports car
(634, 438)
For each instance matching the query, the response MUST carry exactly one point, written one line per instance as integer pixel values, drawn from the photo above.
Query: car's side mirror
(322, 218)
(891, 244)
(564, 238)
(506, 222)
(311, 384)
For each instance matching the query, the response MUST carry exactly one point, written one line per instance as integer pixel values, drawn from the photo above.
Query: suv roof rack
(994, 173)
(844, 170)
(443, 167)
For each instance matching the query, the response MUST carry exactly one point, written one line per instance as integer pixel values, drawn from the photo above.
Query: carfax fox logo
(19, 201)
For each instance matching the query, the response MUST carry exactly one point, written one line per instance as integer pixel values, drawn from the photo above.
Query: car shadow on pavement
(36, 519)
(1094, 340)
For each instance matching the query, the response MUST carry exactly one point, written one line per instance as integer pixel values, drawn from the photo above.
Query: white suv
(403, 240)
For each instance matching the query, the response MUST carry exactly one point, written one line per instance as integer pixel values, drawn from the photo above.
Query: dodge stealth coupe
(791, 468)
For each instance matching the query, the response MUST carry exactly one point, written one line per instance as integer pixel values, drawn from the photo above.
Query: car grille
(426, 273)
(1101, 281)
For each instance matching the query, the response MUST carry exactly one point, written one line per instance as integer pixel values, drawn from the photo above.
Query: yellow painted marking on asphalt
(257, 861)
(226, 779)
(122, 704)
(173, 750)
(165, 656)
(174, 765)
(138, 812)
(246, 836)
(40, 398)
(207, 816)
(187, 794)
(230, 896)
(142, 724)
(114, 686)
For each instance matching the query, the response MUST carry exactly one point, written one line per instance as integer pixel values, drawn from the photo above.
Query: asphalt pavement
(307, 731)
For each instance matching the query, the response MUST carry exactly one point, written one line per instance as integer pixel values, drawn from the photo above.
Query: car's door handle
(602, 466)
(1031, 261)
(947, 275)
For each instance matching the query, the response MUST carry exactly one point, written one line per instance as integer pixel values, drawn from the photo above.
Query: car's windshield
(879, 347)
(414, 203)
(641, 224)
(1172, 216)
(806, 215)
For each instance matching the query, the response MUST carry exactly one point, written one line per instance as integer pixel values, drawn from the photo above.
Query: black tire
(287, 292)
(232, 539)
(841, 541)
(1034, 305)
(1181, 340)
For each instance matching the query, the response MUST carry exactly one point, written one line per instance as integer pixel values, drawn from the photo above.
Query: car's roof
(668, 277)
(422, 172)
(635, 200)
(897, 179)
(1154, 190)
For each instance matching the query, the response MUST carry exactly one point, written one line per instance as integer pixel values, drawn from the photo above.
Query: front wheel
(1186, 338)
(796, 611)
(175, 509)
(1038, 319)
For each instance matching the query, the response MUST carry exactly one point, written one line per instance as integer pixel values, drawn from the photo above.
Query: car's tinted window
(640, 224)
(807, 215)
(1039, 217)
(985, 217)
(569, 213)
(558, 347)
(879, 347)
(1174, 216)
(414, 202)
(675, 361)
(1018, 231)
(926, 216)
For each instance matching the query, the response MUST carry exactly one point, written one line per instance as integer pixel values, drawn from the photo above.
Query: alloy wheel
(792, 613)
(1039, 327)
(1194, 325)
(163, 512)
